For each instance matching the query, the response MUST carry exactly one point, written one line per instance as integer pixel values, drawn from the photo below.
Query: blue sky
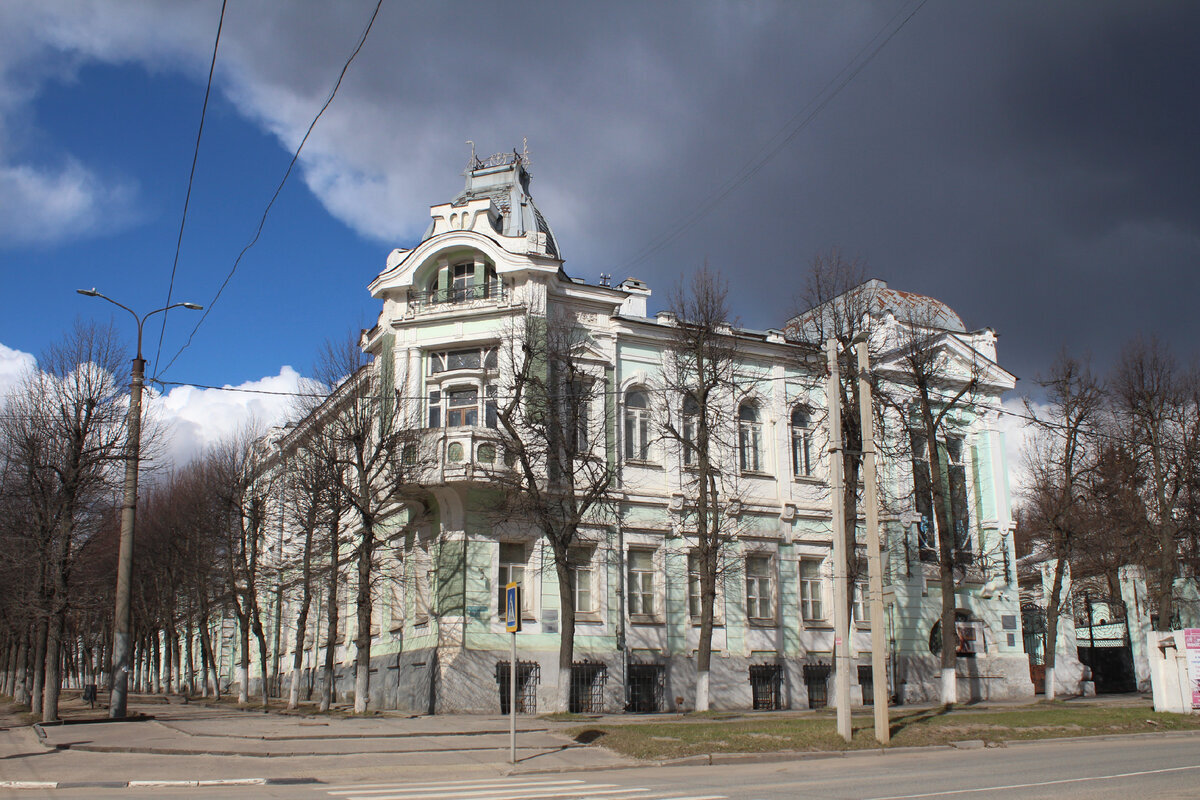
(1032, 165)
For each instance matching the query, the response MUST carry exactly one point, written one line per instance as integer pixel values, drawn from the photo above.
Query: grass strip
(926, 727)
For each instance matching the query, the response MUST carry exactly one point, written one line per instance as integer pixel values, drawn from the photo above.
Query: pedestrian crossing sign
(512, 607)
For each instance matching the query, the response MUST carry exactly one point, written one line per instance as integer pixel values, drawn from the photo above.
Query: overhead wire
(798, 122)
(187, 197)
(278, 189)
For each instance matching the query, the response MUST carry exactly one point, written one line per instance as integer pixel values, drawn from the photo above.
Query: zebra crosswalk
(515, 788)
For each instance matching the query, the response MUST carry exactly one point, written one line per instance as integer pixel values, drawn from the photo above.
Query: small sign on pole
(512, 607)
(512, 624)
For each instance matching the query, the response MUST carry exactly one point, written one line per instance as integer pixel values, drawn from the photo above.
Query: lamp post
(133, 439)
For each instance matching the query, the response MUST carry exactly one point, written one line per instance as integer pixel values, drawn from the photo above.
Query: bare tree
(930, 386)
(1061, 458)
(377, 456)
(237, 469)
(697, 417)
(62, 432)
(1155, 405)
(842, 305)
(561, 477)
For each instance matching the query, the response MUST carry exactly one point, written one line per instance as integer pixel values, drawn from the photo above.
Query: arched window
(969, 631)
(637, 426)
(691, 429)
(750, 438)
(801, 442)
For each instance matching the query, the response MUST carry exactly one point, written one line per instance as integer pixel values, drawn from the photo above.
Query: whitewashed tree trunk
(1050, 688)
(949, 687)
(702, 691)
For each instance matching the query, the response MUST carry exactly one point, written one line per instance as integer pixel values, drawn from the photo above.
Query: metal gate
(587, 687)
(766, 682)
(644, 688)
(528, 676)
(1102, 636)
(815, 677)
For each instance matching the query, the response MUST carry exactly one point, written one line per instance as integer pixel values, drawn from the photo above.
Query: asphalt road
(1129, 768)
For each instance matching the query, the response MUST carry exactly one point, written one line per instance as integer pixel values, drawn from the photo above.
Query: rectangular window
(575, 415)
(860, 611)
(435, 409)
(759, 605)
(750, 446)
(691, 427)
(462, 408)
(637, 434)
(956, 471)
(396, 611)
(512, 570)
(641, 583)
(473, 358)
(812, 606)
(694, 585)
(424, 583)
(463, 277)
(923, 499)
(801, 462)
(581, 581)
(490, 418)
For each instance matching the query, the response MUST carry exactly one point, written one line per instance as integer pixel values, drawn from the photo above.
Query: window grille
(766, 683)
(587, 687)
(528, 678)
(815, 678)
(644, 689)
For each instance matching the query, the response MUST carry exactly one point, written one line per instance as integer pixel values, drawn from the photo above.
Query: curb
(164, 784)
(398, 735)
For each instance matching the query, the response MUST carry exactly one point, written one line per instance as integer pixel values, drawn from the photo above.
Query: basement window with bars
(528, 678)
(644, 688)
(766, 684)
(587, 687)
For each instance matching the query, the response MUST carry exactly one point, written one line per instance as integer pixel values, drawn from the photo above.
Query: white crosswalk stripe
(505, 789)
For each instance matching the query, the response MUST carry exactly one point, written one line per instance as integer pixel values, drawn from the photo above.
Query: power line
(191, 177)
(263, 221)
(792, 128)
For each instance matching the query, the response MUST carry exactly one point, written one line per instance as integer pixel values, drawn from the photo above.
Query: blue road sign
(512, 607)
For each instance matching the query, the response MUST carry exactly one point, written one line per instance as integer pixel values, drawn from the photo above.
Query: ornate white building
(450, 305)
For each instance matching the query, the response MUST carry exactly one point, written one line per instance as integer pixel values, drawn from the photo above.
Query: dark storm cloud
(1032, 164)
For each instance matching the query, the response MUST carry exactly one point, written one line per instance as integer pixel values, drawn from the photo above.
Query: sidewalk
(202, 742)
(197, 742)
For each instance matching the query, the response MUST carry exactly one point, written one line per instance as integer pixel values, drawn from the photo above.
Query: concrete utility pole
(841, 589)
(122, 622)
(874, 560)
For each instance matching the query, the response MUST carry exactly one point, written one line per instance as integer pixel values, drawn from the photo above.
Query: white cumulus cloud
(13, 366)
(195, 419)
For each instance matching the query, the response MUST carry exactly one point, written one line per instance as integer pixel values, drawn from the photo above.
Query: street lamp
(121, 620)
